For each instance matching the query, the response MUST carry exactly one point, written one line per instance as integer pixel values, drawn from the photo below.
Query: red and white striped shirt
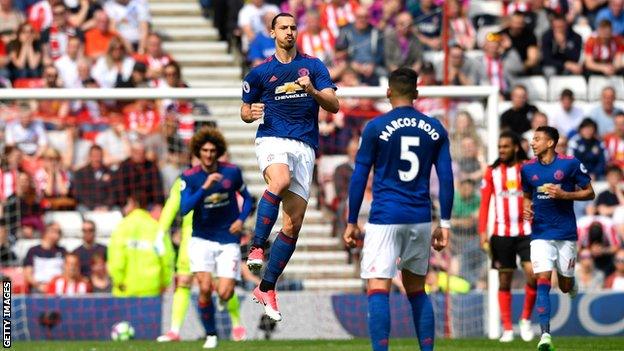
(615, 149)
(494, 71)
(608, 230)
(8, 184)
(319, 45)
(333, 18)
(505, 184)
(516, 6)
(62, 286)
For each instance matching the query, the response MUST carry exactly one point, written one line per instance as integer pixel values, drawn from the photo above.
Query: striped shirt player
(550, 184)
(510, 236)
(402, 146)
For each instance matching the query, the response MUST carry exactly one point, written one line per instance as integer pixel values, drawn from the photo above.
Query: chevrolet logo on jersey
(542, 191)
(288, 88)
(216, 200)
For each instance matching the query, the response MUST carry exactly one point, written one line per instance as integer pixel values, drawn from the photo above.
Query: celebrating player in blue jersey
(402, 145)
(551, 183)
(285, 91)
(209, 190)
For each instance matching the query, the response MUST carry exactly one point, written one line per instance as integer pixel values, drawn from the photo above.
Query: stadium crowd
(88, 156)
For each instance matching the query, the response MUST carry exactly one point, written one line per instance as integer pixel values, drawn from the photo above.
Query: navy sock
(424, 322)
(268, 209)
(543, 304)
(207, 316)
(281, 251)
(379, 319)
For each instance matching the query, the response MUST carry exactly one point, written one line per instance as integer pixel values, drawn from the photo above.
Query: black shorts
(504, 250)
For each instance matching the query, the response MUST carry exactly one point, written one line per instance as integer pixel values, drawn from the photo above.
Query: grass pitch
(561, 344)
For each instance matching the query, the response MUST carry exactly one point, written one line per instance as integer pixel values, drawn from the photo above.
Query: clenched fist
(306, 84)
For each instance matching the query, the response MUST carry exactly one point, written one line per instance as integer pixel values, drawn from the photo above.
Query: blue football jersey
(553, 219)
(289, 112)
(216, 208)
(403, 145)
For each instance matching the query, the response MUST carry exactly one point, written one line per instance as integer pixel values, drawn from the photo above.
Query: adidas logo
(273, 79)
(535, 177)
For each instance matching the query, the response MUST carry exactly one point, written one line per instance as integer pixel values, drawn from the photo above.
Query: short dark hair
(551, 132)
(281, 14)
(208, 135)
(95, 147)
(567, 93)
(403, 82)
(516, 140)
(615, 169)
(605, 23)
(558, 16)
(89, 221)
(588, 122)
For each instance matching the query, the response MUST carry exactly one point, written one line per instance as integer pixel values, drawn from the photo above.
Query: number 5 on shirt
(410, 156)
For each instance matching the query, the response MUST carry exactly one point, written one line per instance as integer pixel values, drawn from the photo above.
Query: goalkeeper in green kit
(184, 277)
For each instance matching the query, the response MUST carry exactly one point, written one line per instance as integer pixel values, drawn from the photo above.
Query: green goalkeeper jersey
(167, 216)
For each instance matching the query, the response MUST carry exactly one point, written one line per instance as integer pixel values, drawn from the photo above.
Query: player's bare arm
(252, 112)
(582, 194)
(326, 98)
(527, 211)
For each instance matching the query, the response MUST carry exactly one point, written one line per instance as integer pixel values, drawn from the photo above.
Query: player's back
(405, 145)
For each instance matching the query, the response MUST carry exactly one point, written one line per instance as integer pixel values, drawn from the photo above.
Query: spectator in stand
(493, 69)
(612, 197)
(52, 182)
(71, 282)
(567, 117)
(300, 9)
(539, 16)
(89, 248)
(603, 51)
(518, 117)
(91, 184)
(364, 45)
(462, 33)
(336, 14)
(155, 57)
(263, 44)
(116, 66)
(615, 281)
(227, 19)
(251, 22)
(401, 46)
(115, 143)
(26, 133)
(24, 202)
(7, 256)
(429, 106)
(615, 142)
(586, 275)
(469, 163)
(55, 38)
(342, 178)
(462, 70)
(589, 149)
(590, 8)
(614, 13)
(539, 119)
(604, 114)
(44, 261)
(130, 18)
(315, 40)
(10, 17)
(5, 75)
(601, 239)
(333, 136)
(428, 18)
(466, 239)
(9, 171)
(142, 119)
(98, 38)
(135, 267)
(384, 13)
(100, 281)
(521, 39)
(561, 49)
(54, 113)
(137, 175)
(67, 65)
(138, 78)
(463, 126)
(25, 53)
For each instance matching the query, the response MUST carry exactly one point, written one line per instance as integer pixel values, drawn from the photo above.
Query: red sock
(504, 301)
(529, 301)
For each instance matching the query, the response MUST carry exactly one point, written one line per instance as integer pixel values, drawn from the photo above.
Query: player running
(285, 91)
(209, 190)
(184, 277)
(551, 183)
(511, 233)
(402, 146)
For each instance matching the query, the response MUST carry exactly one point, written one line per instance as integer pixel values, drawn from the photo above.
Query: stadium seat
(597, 83)
(70, 244)
(105, 222)
(547, 107)
(489, 7)
(577, 84)
(22, 246)
(28, 83)
(537, 87)
(435, 57)
(583, 30)
(70, 222)
(17, 277)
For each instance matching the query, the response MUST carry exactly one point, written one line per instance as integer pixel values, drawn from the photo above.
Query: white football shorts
(385, 243)
(220, 260)
(298, 155)
(549, 254)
